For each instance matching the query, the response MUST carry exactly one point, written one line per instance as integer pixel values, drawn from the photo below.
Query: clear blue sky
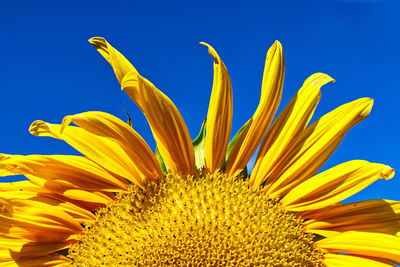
(49, 70)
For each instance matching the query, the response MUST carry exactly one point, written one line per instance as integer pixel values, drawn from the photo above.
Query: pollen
(201, 220)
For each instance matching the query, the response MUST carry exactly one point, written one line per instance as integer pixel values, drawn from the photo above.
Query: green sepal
(199, 144)
(233, 142)
(160, 160)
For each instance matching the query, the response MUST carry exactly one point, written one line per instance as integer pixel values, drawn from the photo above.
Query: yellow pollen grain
(206, 220)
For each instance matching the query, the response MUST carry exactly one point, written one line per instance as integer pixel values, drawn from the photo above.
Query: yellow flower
(192, 203)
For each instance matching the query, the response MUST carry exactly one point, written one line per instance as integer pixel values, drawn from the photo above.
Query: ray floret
(193, 203)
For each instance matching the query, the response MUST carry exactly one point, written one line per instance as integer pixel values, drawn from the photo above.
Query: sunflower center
(206, 220)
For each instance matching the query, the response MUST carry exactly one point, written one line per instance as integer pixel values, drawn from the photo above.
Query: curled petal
(105, 125)
(289, 124)
(101, 150)
(219, 116)
(119, 63)
(271, 92)
(312, 148)
(169, 129)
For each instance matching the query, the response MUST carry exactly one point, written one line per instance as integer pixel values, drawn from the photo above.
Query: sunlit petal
(219, 116)
(271, 91)
(289, 124)
(334, 260)
(169, 129)
(315, 145)
(101, 150)
(105, 125)
(36, 221)
(335, 185)
(364, 244)
(377, 215)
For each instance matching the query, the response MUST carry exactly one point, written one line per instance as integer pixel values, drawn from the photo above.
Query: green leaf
(199, 146)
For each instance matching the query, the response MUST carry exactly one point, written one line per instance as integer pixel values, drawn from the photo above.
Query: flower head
(193, 202)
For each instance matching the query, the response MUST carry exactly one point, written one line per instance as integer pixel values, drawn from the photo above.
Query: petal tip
(277, 46)
(277, 43)
(368, 108)
(36, 127)
(275, 52)
(98, 43)
(95, 39)
(328, 78)
(322, 78)
(211, 51)
(387, 172)
(66, 121)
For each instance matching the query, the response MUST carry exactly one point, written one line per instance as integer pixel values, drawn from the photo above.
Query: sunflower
(192, 203)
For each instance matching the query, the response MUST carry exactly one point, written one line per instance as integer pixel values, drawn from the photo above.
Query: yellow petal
(289, 124)
(364, 244)
(81, 215)
(78, 171)
(219, 116)
(73, 193)
(169, 129)
(101, 150)
(78, 213)
(79, 210)
(360, 208)
(335, 185)
(45, 261)
(324, 233)
(271, 91)
(36, 221)
(119, 63)
(88, 206)
(25, 185)
(314, 146)
(18, 194)
(334, 260)
(105, 125)
(51, 260)
(16, 248)
(377, 215)
(390, 227)
(87, 196)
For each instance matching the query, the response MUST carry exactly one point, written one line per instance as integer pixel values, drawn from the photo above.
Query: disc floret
(195, 220)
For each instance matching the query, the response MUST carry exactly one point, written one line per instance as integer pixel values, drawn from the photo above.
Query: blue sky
(48, 69)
